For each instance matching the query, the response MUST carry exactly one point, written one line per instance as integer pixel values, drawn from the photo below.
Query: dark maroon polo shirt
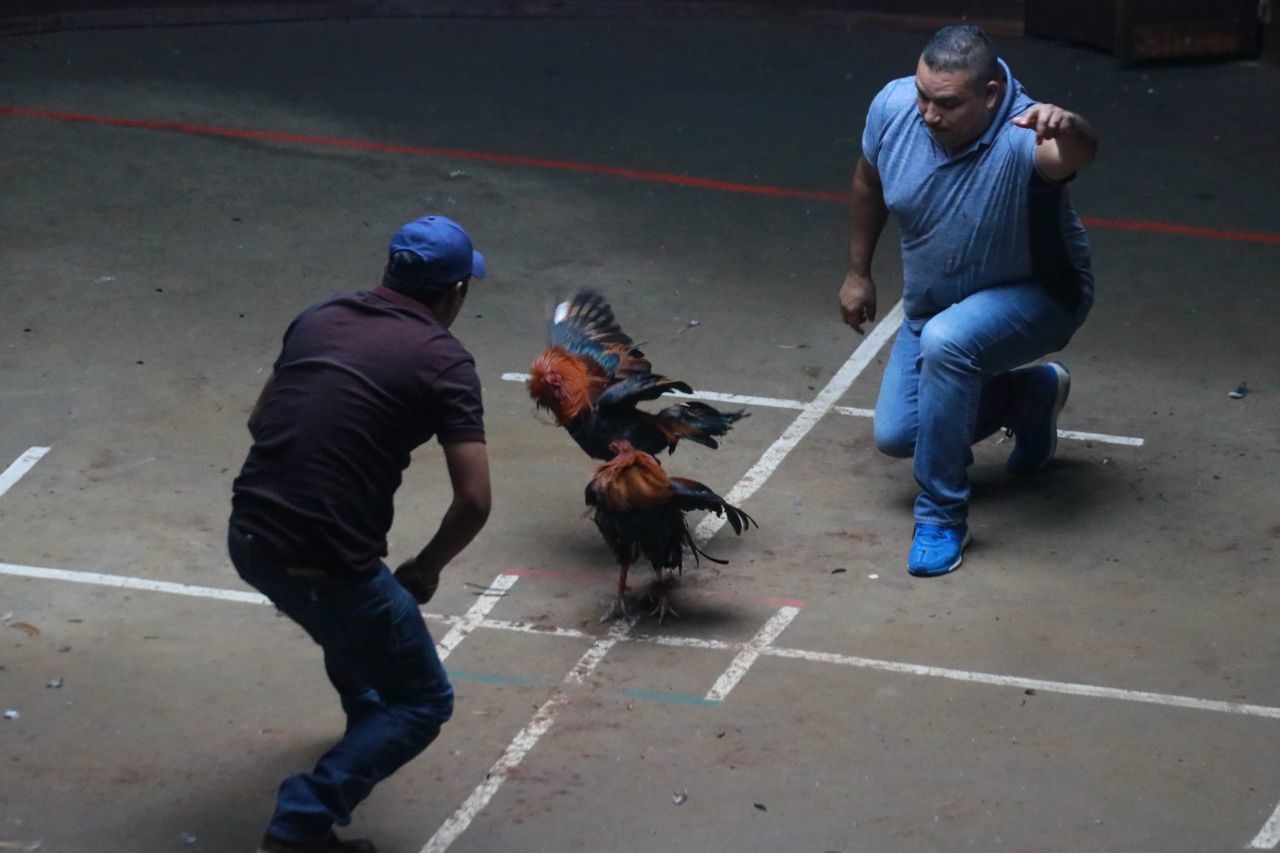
(362, 380)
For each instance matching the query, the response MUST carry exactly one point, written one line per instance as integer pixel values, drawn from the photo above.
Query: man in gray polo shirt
(995, 271)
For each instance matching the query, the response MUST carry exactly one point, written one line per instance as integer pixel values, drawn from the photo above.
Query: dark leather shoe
(327, 844)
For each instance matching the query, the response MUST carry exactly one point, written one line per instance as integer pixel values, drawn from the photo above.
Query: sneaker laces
(931, 535)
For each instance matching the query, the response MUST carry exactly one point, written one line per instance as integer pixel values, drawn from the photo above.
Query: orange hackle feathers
(591, 376)
(640, 512)
(565, 385)
(631, 480)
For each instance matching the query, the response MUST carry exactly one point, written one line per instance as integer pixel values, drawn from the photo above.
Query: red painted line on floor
(419, 151)
(1182, 230)
(572, 166)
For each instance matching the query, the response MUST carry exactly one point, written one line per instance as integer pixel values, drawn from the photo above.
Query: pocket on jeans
(357, 619)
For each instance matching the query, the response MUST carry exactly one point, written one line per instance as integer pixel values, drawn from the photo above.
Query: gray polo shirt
(978, 217)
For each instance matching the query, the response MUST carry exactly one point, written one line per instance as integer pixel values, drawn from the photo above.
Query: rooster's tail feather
(697, 422)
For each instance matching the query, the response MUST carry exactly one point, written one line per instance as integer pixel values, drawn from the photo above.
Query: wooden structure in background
(1152, 29)
(1269, 16)
(1000, 17)
(1131, 29)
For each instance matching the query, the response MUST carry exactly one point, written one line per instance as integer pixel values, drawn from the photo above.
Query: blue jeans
(947, 385)
(383, 663)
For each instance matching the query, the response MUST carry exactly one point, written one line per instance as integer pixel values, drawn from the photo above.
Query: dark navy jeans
(383, 663)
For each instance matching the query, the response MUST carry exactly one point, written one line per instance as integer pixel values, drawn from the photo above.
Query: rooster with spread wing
(640, 512)
(591, 376)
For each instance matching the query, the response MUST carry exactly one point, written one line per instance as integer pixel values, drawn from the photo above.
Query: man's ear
(992, 94)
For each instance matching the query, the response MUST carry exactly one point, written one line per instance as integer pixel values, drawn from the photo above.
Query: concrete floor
(1100, 675)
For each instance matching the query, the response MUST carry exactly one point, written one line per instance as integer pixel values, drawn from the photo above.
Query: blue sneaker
(937, 550)
(1035, 418)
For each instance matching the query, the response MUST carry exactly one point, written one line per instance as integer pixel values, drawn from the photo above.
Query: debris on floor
(1239, 392)
(679, 797)
(11, 714)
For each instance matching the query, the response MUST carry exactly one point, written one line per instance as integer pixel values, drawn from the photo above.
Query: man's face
(955, 113)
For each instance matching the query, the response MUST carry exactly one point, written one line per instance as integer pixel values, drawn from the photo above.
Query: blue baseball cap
(444, 248)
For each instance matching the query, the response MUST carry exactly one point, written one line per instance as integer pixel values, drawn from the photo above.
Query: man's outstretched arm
(1065, 141)
(468, 463)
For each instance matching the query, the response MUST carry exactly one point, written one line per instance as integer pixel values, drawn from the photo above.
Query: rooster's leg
(619, 608)
(658, 592)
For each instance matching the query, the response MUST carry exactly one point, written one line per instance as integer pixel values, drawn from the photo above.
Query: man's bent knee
(426, 716)
(940, 343)
(898, 443)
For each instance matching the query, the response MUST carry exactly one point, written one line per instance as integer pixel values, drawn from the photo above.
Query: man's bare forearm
(461, 522)
(867, 217)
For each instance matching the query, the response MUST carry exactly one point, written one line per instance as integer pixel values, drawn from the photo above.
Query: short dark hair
(406, 273)
(965, 48)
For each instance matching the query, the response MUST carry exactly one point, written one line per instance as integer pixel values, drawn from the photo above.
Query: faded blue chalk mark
(494, 678)
(670, 698)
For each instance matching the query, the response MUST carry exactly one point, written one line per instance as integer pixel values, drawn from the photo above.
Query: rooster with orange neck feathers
(591, 376)
(640, 513)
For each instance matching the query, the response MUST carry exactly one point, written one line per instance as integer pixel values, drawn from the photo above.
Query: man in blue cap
(361, 381)
(995, 264)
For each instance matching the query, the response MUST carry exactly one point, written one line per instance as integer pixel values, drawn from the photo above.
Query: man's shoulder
(893, 109)
(442, 344)
(892, 122)
(896, 94)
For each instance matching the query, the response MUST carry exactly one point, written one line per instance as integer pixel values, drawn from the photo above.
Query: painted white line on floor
(1075, 435)
(1070, 688)
(532, 628)
(699, 394)
(751, 653)
(1127, 440)
(20, 466)
(1269, 837)
(855, 412)
(524, 741)
(475, 615)
(575, 634)
(124, 582)
(684, 642)
(813, 412)
(742, 399)
(1089, 690)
